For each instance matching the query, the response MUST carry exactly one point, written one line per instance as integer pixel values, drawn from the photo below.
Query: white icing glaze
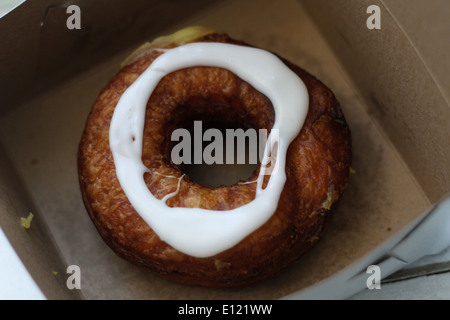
(194, 231)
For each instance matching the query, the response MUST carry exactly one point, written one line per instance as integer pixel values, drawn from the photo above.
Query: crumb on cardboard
(26, 222)
(54, 272)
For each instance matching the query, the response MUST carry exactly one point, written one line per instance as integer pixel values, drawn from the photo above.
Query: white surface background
(8, 5)
(15, 281)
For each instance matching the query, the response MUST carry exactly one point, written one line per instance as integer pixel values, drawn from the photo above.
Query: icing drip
(195, 231)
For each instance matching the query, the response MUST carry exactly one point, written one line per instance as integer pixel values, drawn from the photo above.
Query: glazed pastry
(151, 213)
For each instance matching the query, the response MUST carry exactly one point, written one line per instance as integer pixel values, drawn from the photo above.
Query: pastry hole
(227, 168)
(222, 152)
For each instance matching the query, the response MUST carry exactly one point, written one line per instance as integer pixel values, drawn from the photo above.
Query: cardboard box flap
(401, 89)
(38, 50)
(31, 239)
(426, 25)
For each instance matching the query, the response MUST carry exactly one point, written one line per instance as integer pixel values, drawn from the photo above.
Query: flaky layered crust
(318, 163)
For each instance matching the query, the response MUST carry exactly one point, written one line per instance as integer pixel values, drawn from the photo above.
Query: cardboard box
(392, 82)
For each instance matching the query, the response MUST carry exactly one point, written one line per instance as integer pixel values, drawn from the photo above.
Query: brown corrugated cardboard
(400, 148)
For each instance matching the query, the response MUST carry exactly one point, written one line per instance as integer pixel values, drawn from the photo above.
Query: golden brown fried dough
(318, 163)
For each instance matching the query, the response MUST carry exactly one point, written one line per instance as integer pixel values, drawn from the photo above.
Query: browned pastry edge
(317, 169)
